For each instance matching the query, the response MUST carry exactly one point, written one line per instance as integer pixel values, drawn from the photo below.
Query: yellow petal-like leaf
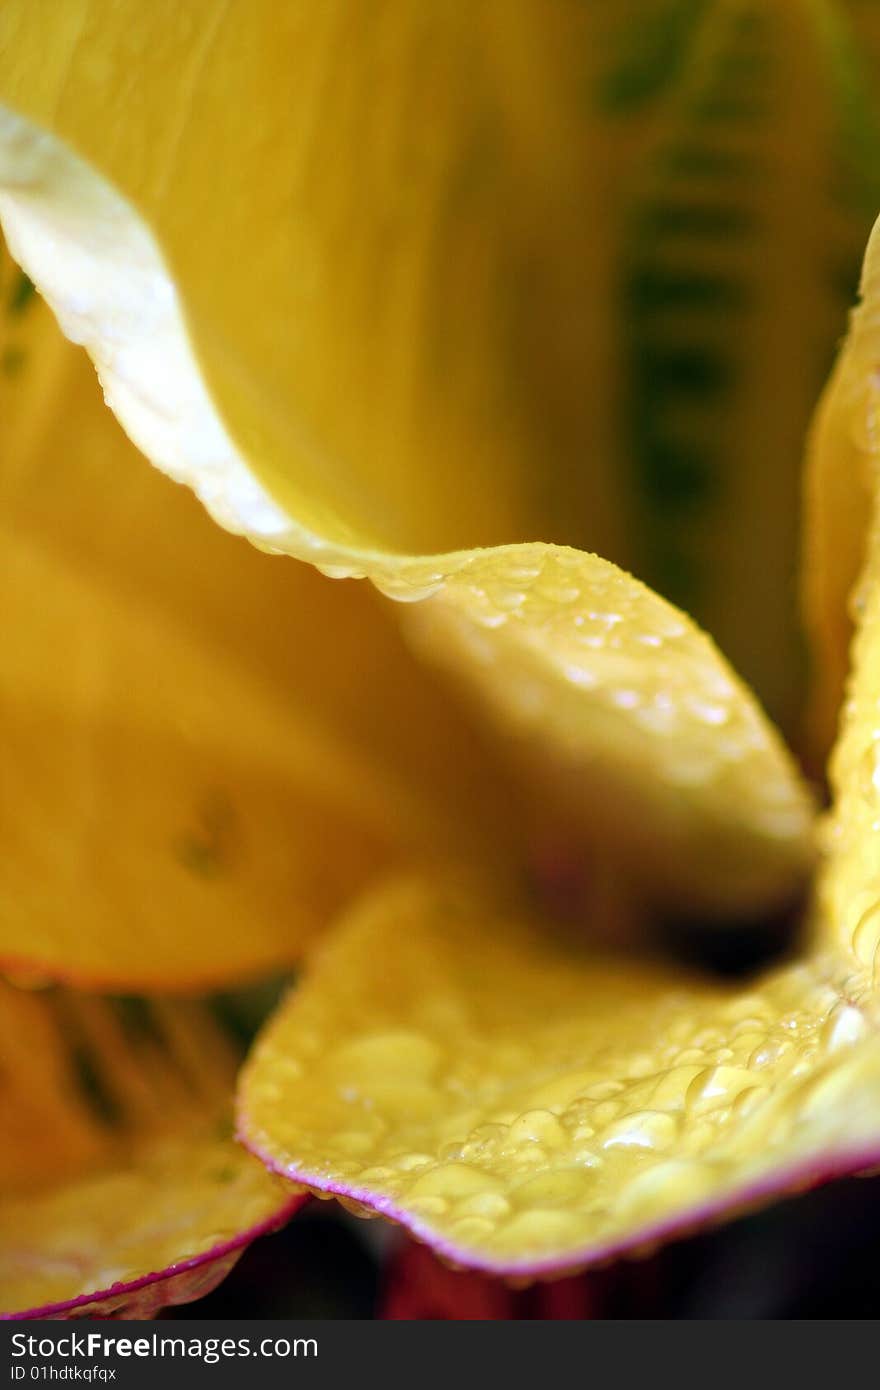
(400, 226)
(838, 486)
(628, 723)
(528, 1111)
(204, 751)
(839, 493)
(121, 1189)
(849, 894)
(837, 511)
(551, 257)
(743, 799)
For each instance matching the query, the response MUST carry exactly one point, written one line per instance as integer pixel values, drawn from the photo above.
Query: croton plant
(431, 304)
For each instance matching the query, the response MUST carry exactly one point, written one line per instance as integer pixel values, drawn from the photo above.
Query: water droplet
(843, 1027)
(645, 1129)
(580, 676)
(428, 1206)
(491, 1205)
(554, 1189)
(509, 599)
(357, 1208)
(605, 1112)
(717, 1086)
(625, 699)
(538, 1127)
(672, 1088)
(379, 1174)
(866, 936)
(452, 1180)
(768, 1053)
(707, 712)
(471, 1229)
(748, 1100)
(559, 593)
(406, 1163)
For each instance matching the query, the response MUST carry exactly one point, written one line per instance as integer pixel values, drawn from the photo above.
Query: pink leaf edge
(787, 1181)
(144, 1297)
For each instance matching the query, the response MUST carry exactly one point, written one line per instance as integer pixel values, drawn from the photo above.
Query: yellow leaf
(122, 1190)
(72, 229)
(837, 509)
(527, 1110)
(399, 229)
(551, 258)
(839, 504)
(446, 1073)
(629, 725)
(204, 752)
(847, 453)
